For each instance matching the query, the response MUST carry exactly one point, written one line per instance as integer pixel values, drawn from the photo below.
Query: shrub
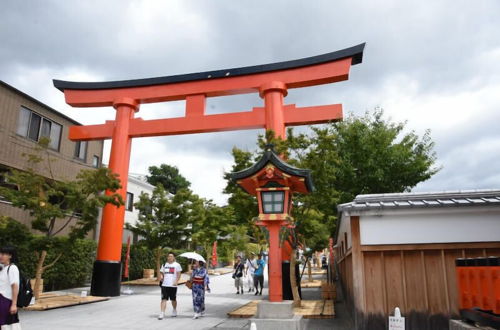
(14, 233)
(74, 268)
(140, 258)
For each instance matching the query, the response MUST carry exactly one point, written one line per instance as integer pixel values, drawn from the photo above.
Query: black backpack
(25, 291)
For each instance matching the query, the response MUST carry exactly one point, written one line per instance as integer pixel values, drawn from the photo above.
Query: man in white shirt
(250, 267)
(170, 273)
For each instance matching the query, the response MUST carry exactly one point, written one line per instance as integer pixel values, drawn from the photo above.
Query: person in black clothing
(238, 275)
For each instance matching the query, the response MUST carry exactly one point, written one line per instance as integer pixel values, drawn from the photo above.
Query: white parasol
(193, 255)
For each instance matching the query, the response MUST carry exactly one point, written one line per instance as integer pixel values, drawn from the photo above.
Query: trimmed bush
(74, 268)
(13, 233)
(140, 258)
(143, 258)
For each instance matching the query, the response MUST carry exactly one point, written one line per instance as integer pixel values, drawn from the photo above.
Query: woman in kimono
(199, 278)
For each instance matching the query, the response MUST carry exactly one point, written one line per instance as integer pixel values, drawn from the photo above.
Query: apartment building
(24, 121)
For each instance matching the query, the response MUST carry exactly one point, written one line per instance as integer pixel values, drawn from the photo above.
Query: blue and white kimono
(200, 282)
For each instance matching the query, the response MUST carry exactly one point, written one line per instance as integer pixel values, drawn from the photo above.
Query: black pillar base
(285, 280)
(106, 278)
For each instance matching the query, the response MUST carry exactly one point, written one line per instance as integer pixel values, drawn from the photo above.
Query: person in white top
(250, 267)
(170, 273)
(9, 286)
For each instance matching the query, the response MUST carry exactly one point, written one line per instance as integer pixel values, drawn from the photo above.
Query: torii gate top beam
(321, 69)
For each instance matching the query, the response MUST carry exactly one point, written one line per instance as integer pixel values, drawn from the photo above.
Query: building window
(81, 150)
(95, 161)
(272, 201)
(33, 126)
(129, 203)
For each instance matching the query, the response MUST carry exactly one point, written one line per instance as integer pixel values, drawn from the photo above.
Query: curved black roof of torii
(356, 52)
(271, 157)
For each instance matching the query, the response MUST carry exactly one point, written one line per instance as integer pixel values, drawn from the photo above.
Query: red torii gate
(271, 81)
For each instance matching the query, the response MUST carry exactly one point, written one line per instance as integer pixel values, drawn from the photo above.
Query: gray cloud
(419, 59)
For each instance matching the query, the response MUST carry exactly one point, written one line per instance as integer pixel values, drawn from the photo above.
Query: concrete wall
(13, 146)
(453, 224)
(136, 187)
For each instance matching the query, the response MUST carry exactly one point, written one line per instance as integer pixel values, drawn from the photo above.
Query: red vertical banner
(127, 259)
(214, 254)
(331, 250)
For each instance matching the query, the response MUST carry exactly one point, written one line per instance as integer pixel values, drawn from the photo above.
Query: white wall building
(399, 250)
(137, 185)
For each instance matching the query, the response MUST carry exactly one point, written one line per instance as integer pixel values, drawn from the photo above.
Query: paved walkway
(140, 310)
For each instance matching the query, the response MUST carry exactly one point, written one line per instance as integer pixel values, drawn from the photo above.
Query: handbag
(189, 284)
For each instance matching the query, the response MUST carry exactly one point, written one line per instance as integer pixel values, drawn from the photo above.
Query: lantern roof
(254, 177)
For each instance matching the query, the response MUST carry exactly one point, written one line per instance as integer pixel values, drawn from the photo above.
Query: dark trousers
(258, 279)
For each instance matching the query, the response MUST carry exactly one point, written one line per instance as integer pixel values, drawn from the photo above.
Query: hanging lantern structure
(273, 182)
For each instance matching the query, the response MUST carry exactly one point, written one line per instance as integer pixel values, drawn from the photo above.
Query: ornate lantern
(273, 182)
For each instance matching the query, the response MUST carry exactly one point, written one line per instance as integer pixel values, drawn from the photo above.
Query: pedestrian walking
(200, 284)
(259, 275)
(238, 275)
(250, 266)
(170, 273)
(9, 288)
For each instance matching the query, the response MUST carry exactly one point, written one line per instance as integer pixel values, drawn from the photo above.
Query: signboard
(396, 323)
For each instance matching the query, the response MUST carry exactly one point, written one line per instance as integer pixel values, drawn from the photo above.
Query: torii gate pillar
(107, 266)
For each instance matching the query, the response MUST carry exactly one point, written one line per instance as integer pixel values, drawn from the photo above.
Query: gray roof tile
(423, 200)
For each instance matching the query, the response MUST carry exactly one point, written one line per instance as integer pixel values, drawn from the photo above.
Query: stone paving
(140, 311)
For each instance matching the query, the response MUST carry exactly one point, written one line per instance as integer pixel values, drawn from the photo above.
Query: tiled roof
(423, 200)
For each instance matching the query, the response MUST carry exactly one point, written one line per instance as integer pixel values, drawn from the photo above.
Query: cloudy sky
(435, 64)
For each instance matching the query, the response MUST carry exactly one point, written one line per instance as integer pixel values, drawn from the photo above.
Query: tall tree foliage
(361, 155)
(244, 205)
(217, 224)
(169, 177)
(59, 205)
(377, 156)
(166, 220)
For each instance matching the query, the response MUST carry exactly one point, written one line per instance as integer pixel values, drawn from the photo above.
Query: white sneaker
(161, 316)
(196, 315)
(174, 313)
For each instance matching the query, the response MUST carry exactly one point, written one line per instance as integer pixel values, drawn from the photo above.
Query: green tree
(361, 155)
(169, 177)
(14, 233)
(243, 205)
(55, 205)
(217, 222)
(165, 220)
(375, 155)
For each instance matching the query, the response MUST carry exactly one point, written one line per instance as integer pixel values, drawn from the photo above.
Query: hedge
(74, 268)
(143, 258)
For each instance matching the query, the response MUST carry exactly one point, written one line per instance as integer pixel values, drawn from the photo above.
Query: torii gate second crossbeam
(271, 81)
